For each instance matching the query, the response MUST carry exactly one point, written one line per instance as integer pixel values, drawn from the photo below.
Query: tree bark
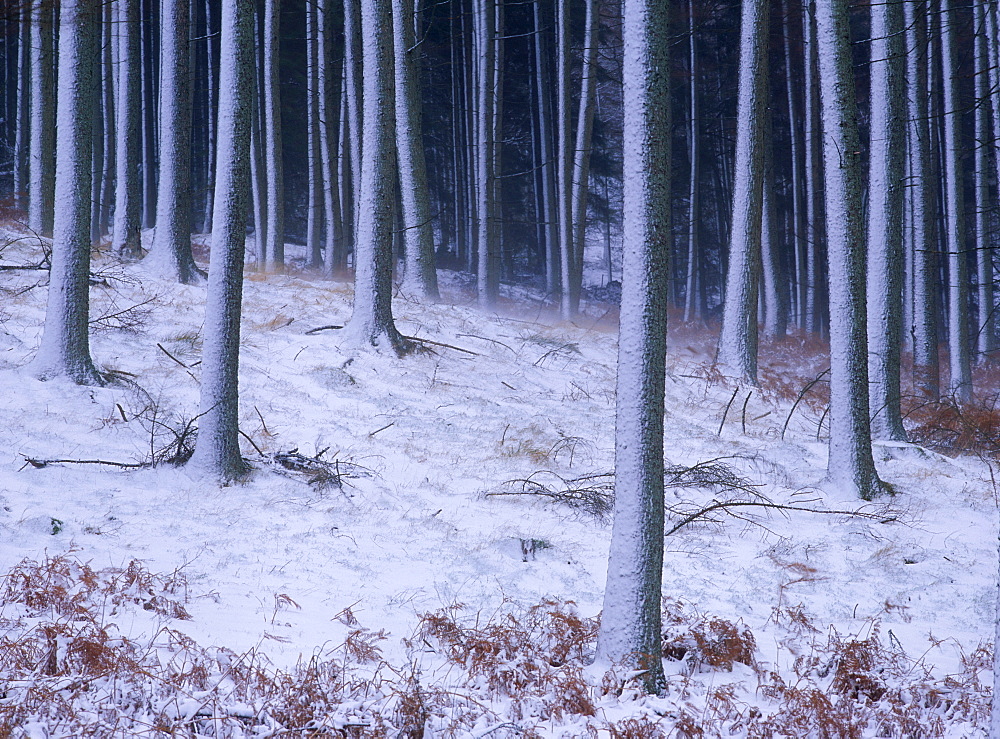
(630, 625)
(850, 466)
(41, 182)
(65, 345)
(271, 123)
(128, 188)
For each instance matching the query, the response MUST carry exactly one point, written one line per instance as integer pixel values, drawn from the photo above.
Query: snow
(435, 432)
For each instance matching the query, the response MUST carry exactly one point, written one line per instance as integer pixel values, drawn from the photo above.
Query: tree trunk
(170, 255)
(41, 182)
(691, 306)
(925, 279)
(798, 228)
(329, 115)
(581, 159)
(569, 298)
(850, 465)
(372, 323)
(986, 321)
(217, 450)
(547, 172)
(24, 92)
(354, 138)
(149, 114)
(960, 376)
(420, 276)
(271, 137)
(488, 283)
(738, 339)
(316, 172)
(65, 345)
(128, 188)
(630, 624)
(885, 219)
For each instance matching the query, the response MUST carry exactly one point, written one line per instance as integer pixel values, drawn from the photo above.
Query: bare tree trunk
(630, 625)
(271, 136)
(217, 450)
(170, 254)
(354, 93)
(486, 213)
(24, 91)
(569, 301)
(128, 188)
(738, 339)
(694, 153)
(885, 220)
(330, 115)
(986, 319)
(41, 183)
(960, 376)
(316, 172)
(850, 466)
(549, 215)
(65, 345)
(420, 277)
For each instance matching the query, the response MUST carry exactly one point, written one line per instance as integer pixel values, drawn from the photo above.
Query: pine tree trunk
(488, 282)
(329, 92)
(581, 159)
(315, 203)
(65, 345)
(271, 137)
(547, 172)
(960, 376)
(798, 228)
(420, 276)
(775, 283)
(372, 323)
(630, 633)
(24, 87)
(850, 465)
(885, 220)
(738, 339)
(41, 182)
(128, 188)
(569, 300)
(694, 173)
(170, 255)
(354, 94)
(986, 319)
(217, 450)
(814, 165)
(925, 279)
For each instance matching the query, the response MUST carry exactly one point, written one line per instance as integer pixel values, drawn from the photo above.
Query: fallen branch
(727, 504)
(42, 463)
(316, 330)
(806, 389)
(438, 343)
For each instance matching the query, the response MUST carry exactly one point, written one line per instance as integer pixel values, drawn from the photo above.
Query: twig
(376, 431)
(802, 394)
(722, 505)
(162, 349)
(264, 425)
(747, 400)
(41, 463)
(255, 447)
(726, 413)
(323, 328)
(438, 343)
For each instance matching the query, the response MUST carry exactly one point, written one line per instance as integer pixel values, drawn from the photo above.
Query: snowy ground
(271, 563)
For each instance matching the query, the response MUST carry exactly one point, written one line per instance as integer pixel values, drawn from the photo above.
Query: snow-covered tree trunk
(797, 229)
(814, 176)
(773, 279)
(850, 466)
(986, 319)
(65, 345)
(316, 174)
(885, 219)
(630, 623)
(353, 94)
(128, 188)
(258, 179)
(149, 114)
(371, 323)
(488, 262)
(420, 276)
(211, 103)
(694, 173)
(271, 124)
(22, 137)
(217, 449)
(925, 277)
(738, 339)
(42, 154)
(109, 82)
(170, 254)
(960, 375)
(547, 166)
(333, 238)
(568, 302)
(581, 158)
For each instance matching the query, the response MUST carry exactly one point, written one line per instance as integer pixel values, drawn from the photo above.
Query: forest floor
(432, 561)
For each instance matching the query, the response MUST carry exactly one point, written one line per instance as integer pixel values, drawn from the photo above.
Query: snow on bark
(925, 278)
(217, 448)
(170, 254)
(128, 188)
(564, 162)
(65, 345)
(420, 276)
(986, 340)
(275, 200)
(41, 150)
(371, 322)
(885, 220)
(738, 339)
(850, 465)
(630, 624)
(960, 375)
(488, 250)
(316, 174)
